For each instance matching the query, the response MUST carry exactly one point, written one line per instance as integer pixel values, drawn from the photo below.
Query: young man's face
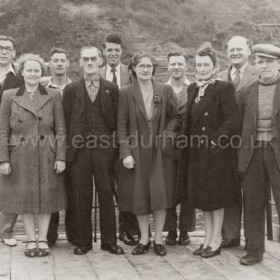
(177, 66)
(112, 53)
(59, 64)
(7, 52)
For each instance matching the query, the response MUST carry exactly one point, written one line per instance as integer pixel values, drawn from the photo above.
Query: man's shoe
(141, 248)
(171, 238)
(208, 253)
(82, 250)
(184, 238)
(112, 248)
(12, 242)
(250, 260)
(230, 243)
(127, 239)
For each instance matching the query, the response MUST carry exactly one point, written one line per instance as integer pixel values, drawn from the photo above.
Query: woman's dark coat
(208, 173)
(149, 185)
(32, 138)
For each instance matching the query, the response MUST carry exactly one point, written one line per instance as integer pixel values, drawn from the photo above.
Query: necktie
(113, 70)
(237, 78)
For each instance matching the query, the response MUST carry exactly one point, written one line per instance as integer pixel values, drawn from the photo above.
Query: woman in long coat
(208, 164)
(147, 124)
(32, 153)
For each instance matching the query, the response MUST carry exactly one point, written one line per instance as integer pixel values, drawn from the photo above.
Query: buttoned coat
(149, 185)
(32, 138)
(126, 76)
(250, 75)
(74, 110)
(248, 107)
(207, 173)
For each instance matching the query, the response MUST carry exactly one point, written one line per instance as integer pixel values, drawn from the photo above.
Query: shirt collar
(241, 69)
(95, 82)
(118, 67)
(186, 82)
(51, 84)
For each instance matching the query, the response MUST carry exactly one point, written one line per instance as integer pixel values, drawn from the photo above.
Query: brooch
(156, 99)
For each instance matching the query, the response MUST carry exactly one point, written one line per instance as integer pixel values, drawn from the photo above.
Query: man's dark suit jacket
(74, 110)
(11, 81)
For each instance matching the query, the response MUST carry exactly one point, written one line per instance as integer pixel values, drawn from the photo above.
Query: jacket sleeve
(123, 122)
(60, 129)
(229, 113)
(5, 113)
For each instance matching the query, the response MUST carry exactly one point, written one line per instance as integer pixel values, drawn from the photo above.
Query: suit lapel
(137, 95)
(124, 75)
(249, 74)
(205, 101)
(252, 101)
(40, 101)
(10, 82)
(80, 91)
(22, 99)
(105, 94)
(157, 91)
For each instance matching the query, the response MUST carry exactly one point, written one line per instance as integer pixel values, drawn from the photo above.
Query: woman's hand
(59, 166)
(5, 168)
(128, 162)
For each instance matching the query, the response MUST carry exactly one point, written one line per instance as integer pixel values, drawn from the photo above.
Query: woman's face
(32, 72)
(204, 67)
(144, 69)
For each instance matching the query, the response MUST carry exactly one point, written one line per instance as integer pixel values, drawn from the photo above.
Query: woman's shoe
(31, 253)
(208, 253)
(199, 251)
(141, 248)
(43, 252)
(159, 249)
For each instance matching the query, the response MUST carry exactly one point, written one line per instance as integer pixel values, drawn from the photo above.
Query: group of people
(208, 144)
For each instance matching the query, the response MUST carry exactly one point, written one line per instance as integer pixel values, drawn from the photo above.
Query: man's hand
(5, 168)
(128, 162)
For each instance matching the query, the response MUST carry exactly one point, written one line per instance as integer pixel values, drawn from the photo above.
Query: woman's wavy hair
(137, 58)
(30, 57)
(206, 49)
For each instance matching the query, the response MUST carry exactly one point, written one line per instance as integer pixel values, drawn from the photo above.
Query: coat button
(206, 114)
(42, 137)
(20, 120)
(40, 118)
(22, 139)
(203, 128)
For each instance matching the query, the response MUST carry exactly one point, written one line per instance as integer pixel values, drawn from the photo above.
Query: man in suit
(119, 74)
(259, 160)
(240, 73)
(8, 79)
(90, 107)
(177, 67)
(59, 64)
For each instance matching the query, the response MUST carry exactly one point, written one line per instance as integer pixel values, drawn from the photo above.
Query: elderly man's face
(238, 52)
(268, 67)
(90, 60)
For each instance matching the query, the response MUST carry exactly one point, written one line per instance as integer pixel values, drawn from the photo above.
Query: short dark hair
(207, 50)
(177, 53)
(8, 38)
(112, 38)
(58, 50)
(137, 58)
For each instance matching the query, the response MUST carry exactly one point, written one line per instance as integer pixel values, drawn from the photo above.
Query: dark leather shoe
(199, 251)
(159, 249)
(250, 260)
(230, 243)
(112, 248)
(127, 239)
(171, 238)
(141, 248)
(82, 250)
(208, 253)
(184, 238)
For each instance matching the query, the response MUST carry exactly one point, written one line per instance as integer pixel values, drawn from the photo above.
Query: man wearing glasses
(90, 107)
(8, 80)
